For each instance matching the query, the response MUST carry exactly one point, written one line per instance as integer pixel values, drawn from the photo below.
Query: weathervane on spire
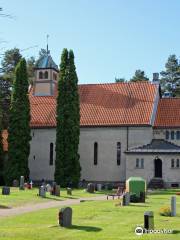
(47, 37)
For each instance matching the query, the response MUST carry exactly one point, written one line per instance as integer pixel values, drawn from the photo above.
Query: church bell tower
(46, 75)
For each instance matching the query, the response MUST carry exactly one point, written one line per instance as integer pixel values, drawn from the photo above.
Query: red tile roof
(4, 140)
(168, 113)
(113, 104)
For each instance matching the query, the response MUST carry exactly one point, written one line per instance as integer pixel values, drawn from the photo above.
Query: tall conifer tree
(19, 127)
(67, 167)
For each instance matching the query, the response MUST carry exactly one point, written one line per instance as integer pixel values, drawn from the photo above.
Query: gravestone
(99, 187)
(142, 197)
(126, 199)
(5, 190)
(57, 190)
(69, 191)
(149, 220)
(90, 188)
(48, 188)
(53, 190)
(42, 191)
(21, 186)
(173, 206)
(15, 183)
(65, 217)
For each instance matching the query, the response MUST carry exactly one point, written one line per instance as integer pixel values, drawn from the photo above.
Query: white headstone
(21, 186)
(173, 206)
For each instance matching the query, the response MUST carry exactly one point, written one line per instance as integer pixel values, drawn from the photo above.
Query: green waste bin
(136, 185)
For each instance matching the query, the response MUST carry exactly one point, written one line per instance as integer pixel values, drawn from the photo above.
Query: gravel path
(38, 206)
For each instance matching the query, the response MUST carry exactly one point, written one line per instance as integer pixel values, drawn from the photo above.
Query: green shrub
(165, 211)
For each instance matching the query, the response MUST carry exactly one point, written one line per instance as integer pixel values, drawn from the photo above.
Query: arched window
(51, 154)
(118, 153)
(95, 153)
(172, 135)
(46, 75)
(167, 135)
(54, 76)
(177, 163)
(40, 75)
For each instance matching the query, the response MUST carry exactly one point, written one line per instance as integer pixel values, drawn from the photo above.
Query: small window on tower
(40, 75)
(46, 75)
(54, 76)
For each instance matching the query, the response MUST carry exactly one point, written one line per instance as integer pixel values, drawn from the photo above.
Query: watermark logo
(139, 231)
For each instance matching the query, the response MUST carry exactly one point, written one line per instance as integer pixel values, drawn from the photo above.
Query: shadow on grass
(176, 231)
(53, 198)
(82, 228)
(86, 228)
(4, 207)
(137, 205)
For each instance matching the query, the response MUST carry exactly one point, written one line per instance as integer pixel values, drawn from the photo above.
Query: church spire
(47, 38)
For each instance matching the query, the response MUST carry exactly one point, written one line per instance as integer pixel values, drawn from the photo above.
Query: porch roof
(156, 146)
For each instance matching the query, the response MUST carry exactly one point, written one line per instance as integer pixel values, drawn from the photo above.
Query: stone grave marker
(65, 217)
(90, 188)
(69, 191)
(126, 199)
(5, 190)
(21, 186)
(173, 206)
(149, 220)
(48, 188)
(57, 191)
(42, 191)
(53, 190)
(15, 183)
(142, 197)
(99, 187)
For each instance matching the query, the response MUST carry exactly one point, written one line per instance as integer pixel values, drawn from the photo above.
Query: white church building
(126, 129)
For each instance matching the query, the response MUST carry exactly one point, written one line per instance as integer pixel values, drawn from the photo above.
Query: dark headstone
(15, 183)
(69, 191)
(142, 197)
(57, 190)
(126, 199)
(5, 190)
(149, 220)
(90, 188)
(53, 191)
(65, 217)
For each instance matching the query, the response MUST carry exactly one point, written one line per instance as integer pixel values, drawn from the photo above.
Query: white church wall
(106, 170)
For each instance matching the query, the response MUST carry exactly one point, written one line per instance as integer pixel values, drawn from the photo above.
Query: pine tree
(139, 76)
(73, 123)
(59, 174)
(19, 127)
(67, 166)
(171, 76)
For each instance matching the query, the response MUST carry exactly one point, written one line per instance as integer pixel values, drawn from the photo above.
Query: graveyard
(95, 220)
(23, 197)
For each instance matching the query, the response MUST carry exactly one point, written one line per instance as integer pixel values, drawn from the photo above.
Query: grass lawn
(22, 197)
(93, 221)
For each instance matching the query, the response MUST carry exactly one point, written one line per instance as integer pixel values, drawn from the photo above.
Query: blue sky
(110, 38)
